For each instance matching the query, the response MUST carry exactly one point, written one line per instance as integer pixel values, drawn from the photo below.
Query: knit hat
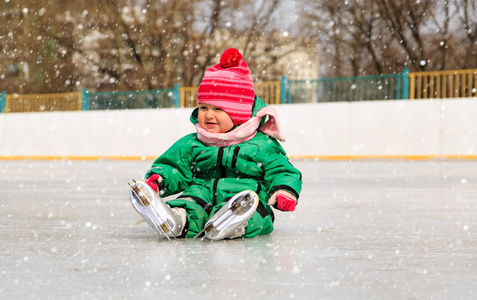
(229, 85)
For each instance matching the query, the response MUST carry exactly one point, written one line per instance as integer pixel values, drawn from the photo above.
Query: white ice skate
(162, 218)
(232, 217)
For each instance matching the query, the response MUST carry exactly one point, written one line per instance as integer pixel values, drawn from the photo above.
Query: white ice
(366, 229)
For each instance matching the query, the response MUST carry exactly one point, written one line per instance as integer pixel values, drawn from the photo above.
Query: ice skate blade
(163, 219)
(227, 220)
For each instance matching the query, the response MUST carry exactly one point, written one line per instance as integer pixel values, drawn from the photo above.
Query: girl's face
(214, 119)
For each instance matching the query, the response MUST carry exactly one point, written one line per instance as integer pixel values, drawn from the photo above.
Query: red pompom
(230, 58)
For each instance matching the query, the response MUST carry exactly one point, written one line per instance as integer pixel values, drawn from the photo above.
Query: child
(233, 162)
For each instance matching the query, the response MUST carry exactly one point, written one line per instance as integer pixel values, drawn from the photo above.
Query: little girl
(230, 172)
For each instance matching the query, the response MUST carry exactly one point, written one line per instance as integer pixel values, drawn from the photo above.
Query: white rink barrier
(343, 130)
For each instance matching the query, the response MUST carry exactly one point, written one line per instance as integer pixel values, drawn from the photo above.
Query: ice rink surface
(365, 229)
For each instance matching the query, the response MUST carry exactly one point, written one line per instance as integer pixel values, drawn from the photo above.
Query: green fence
(131, 99)
(3, 101)
(405, 85)
(376, 87)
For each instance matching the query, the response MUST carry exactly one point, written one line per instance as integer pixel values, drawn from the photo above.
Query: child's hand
(154, 181)
(284, 200)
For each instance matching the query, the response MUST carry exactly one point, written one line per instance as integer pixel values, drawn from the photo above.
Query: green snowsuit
(208, 176)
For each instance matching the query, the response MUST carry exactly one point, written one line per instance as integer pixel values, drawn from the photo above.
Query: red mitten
(154, 181)
(285, 202)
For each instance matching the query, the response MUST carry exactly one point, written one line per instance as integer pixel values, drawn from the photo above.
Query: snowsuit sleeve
(280, 174)
(174, 167)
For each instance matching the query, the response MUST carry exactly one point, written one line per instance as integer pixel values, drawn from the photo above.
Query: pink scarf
(244, 132)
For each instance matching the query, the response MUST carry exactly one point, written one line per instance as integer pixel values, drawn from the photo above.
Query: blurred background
(58, 46)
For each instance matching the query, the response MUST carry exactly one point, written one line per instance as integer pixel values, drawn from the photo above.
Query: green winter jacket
(210, 174)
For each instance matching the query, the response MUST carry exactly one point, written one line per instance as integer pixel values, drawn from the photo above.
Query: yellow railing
(42, 102)
(420, 85)
(188, 96)
(269, 92)
(443, 84)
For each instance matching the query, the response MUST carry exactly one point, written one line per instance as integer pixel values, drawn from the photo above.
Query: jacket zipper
(220, 157)
(235, 156)
(214, 191)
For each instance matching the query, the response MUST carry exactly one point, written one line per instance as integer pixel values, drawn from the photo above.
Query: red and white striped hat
(229, 85)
